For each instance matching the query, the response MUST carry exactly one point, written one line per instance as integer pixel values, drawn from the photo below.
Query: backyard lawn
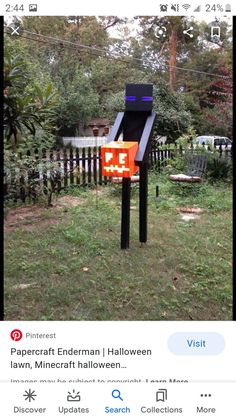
(65, 263)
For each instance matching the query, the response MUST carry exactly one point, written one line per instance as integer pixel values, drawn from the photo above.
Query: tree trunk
(172, 57)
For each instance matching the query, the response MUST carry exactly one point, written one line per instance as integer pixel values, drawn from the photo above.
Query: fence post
(89, 166)
(83, 167)
(28, 154)
(95, 165)
(45, 175)
(65, 158)
(22, 184)
(220, 150)
(58, 158)
(71, 167)
(100, 165)
(77, 160)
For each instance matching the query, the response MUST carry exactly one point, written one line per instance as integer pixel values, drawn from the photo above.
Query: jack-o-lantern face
(118, 158)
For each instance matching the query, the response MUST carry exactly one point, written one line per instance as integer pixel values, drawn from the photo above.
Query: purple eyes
(130, 98)
(146, 98)
(134, 98)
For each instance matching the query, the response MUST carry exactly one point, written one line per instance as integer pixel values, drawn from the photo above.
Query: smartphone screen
(117, 181)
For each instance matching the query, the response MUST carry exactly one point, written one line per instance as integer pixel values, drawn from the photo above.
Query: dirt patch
(34, 216)
(189, 213)
(190, 210)
(24, 286)
(97, 191)
(68, 201)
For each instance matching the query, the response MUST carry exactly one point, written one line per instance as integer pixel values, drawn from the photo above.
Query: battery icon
(228, 8)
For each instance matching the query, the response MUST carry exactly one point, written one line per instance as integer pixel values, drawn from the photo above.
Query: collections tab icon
(161, 395)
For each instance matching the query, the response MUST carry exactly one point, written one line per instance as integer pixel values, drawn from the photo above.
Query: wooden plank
(65, 162)
(83, 167)
(155, 156)
(162, 159)
(35, 176)
(158, 160)
(28, 193)
(71, 154)
(58, 159)
(77, 157)
(45, 179)
(95, 165)
(165, 155)
(22, 184)
(89, 166)
(100, 165)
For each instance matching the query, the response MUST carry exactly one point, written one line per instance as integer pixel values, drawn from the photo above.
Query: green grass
(71, 266)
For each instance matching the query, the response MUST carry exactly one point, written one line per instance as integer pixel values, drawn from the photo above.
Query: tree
(173, 118)
(23, 110)
(79, 102)
(217, 116)
(90, 66)
(165, 48)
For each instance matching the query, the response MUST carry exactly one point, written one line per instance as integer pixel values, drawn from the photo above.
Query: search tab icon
(116, 394)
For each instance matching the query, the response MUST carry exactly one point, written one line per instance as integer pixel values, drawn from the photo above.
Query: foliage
(172, 115)
(78, 103)
(24, 111)
(210, 98)
(219, 168)
(20, 165)
(186, 139)
(73, 58)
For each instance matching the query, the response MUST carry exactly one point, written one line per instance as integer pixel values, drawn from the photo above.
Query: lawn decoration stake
(125, 158)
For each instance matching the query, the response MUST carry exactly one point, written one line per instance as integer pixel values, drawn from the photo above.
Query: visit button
(196, 343)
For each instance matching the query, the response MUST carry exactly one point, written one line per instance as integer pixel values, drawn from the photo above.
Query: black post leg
(143, 192)
(125, 213)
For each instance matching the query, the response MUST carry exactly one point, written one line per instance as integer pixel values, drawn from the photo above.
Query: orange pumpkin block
(118, 158)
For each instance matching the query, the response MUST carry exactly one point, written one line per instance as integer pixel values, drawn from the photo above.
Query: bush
(178, 163)
(23, 176)
(219, 168)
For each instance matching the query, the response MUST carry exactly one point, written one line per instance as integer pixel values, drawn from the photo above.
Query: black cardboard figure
(136, 123)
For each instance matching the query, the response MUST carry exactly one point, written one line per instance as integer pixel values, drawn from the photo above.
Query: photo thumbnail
(118, 147)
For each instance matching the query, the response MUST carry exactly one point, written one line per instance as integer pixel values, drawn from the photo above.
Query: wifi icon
(186, 6)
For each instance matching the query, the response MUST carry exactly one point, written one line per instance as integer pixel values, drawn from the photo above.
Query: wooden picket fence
(75, 167)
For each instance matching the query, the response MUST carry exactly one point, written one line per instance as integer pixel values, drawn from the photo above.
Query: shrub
(23, 175)
(219, 168)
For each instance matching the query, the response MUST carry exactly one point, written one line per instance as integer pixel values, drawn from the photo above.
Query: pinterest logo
(16, 335)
